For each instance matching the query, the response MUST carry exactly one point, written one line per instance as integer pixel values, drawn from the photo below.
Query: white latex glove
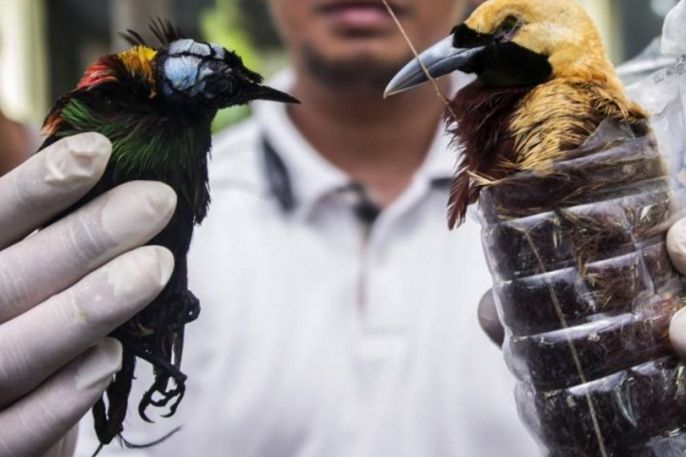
(674, 31)
(676, 245)
(65, 287)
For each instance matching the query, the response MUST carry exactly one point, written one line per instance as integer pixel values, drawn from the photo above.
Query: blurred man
(339, 313)
(15, 145)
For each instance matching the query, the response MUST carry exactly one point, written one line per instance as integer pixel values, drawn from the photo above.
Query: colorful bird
(156, 107)
(543, 85)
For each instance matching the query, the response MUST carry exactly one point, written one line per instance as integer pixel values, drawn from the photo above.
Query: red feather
(104, 70)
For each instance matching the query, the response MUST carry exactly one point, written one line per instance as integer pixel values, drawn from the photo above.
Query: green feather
(141, 143)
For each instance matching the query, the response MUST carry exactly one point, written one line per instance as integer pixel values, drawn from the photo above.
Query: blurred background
(46, 44)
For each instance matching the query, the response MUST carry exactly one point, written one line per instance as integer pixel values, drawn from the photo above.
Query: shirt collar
(299, 177)
(308, 175)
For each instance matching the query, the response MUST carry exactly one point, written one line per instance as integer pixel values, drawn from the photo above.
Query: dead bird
(156, 104)
(543, 85)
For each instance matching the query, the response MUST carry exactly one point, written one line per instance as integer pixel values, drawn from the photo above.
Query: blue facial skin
(181, 75)
(193, 69)
(207, 77)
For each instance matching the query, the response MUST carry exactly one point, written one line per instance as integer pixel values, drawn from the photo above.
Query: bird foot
(165, 396)
(191, 306)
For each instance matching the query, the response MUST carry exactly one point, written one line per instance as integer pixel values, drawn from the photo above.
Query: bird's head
(181, 72)
(515, 43)
(188, 72)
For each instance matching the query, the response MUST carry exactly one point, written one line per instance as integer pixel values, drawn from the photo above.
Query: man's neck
(378, 143)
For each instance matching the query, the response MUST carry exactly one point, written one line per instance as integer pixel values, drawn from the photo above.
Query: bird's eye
(217, 85)
(508, 28)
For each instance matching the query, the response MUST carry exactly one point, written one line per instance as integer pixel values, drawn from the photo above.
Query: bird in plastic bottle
(543, 85)
(574, 199)
(156, 104)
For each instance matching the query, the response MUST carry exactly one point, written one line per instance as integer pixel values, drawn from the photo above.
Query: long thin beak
(259, 92)
(440, 59)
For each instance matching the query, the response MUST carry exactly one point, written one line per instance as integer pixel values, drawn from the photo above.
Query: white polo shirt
(323, 334)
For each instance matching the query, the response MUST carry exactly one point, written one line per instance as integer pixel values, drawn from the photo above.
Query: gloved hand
(489, 320)
(64, 288)
(673, 33)
(676, 246)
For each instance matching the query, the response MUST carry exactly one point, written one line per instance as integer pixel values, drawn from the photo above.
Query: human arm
(64, 288)
(14, 144)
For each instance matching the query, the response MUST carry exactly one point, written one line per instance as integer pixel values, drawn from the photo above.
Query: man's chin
(359, 70)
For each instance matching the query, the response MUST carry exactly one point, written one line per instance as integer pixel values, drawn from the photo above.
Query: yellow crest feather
(138, 60)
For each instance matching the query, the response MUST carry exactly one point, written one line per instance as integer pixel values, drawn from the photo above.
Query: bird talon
(191, 307)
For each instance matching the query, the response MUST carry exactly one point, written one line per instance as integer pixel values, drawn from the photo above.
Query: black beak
(440, 59)
(259, 92)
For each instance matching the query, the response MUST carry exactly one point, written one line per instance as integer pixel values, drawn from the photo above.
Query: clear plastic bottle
(585, 288)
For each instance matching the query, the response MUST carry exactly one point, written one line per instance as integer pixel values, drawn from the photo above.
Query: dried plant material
(637, 409)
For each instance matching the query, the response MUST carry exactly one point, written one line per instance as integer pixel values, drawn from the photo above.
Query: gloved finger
(55, 258)
(65, 447)
(676, 245)
(49, 182)
(38, 421)
(489, 320)
(673, 33)
(677, 333)
(40, 341)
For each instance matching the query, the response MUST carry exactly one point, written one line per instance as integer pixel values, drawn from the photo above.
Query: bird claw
(159, 387)
(191, 306)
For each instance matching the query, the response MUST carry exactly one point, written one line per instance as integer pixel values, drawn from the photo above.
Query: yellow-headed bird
(543, 86)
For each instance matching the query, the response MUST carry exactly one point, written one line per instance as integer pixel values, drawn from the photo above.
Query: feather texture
(150, 141)
(165, 32)
(486, 144)
(505, 130)
(156, 106)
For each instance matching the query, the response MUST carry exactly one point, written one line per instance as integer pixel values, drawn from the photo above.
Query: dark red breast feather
(483, 115)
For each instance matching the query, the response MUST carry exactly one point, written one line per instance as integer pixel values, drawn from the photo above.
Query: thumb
(677, 333)
(489, 320)
(676, 245)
